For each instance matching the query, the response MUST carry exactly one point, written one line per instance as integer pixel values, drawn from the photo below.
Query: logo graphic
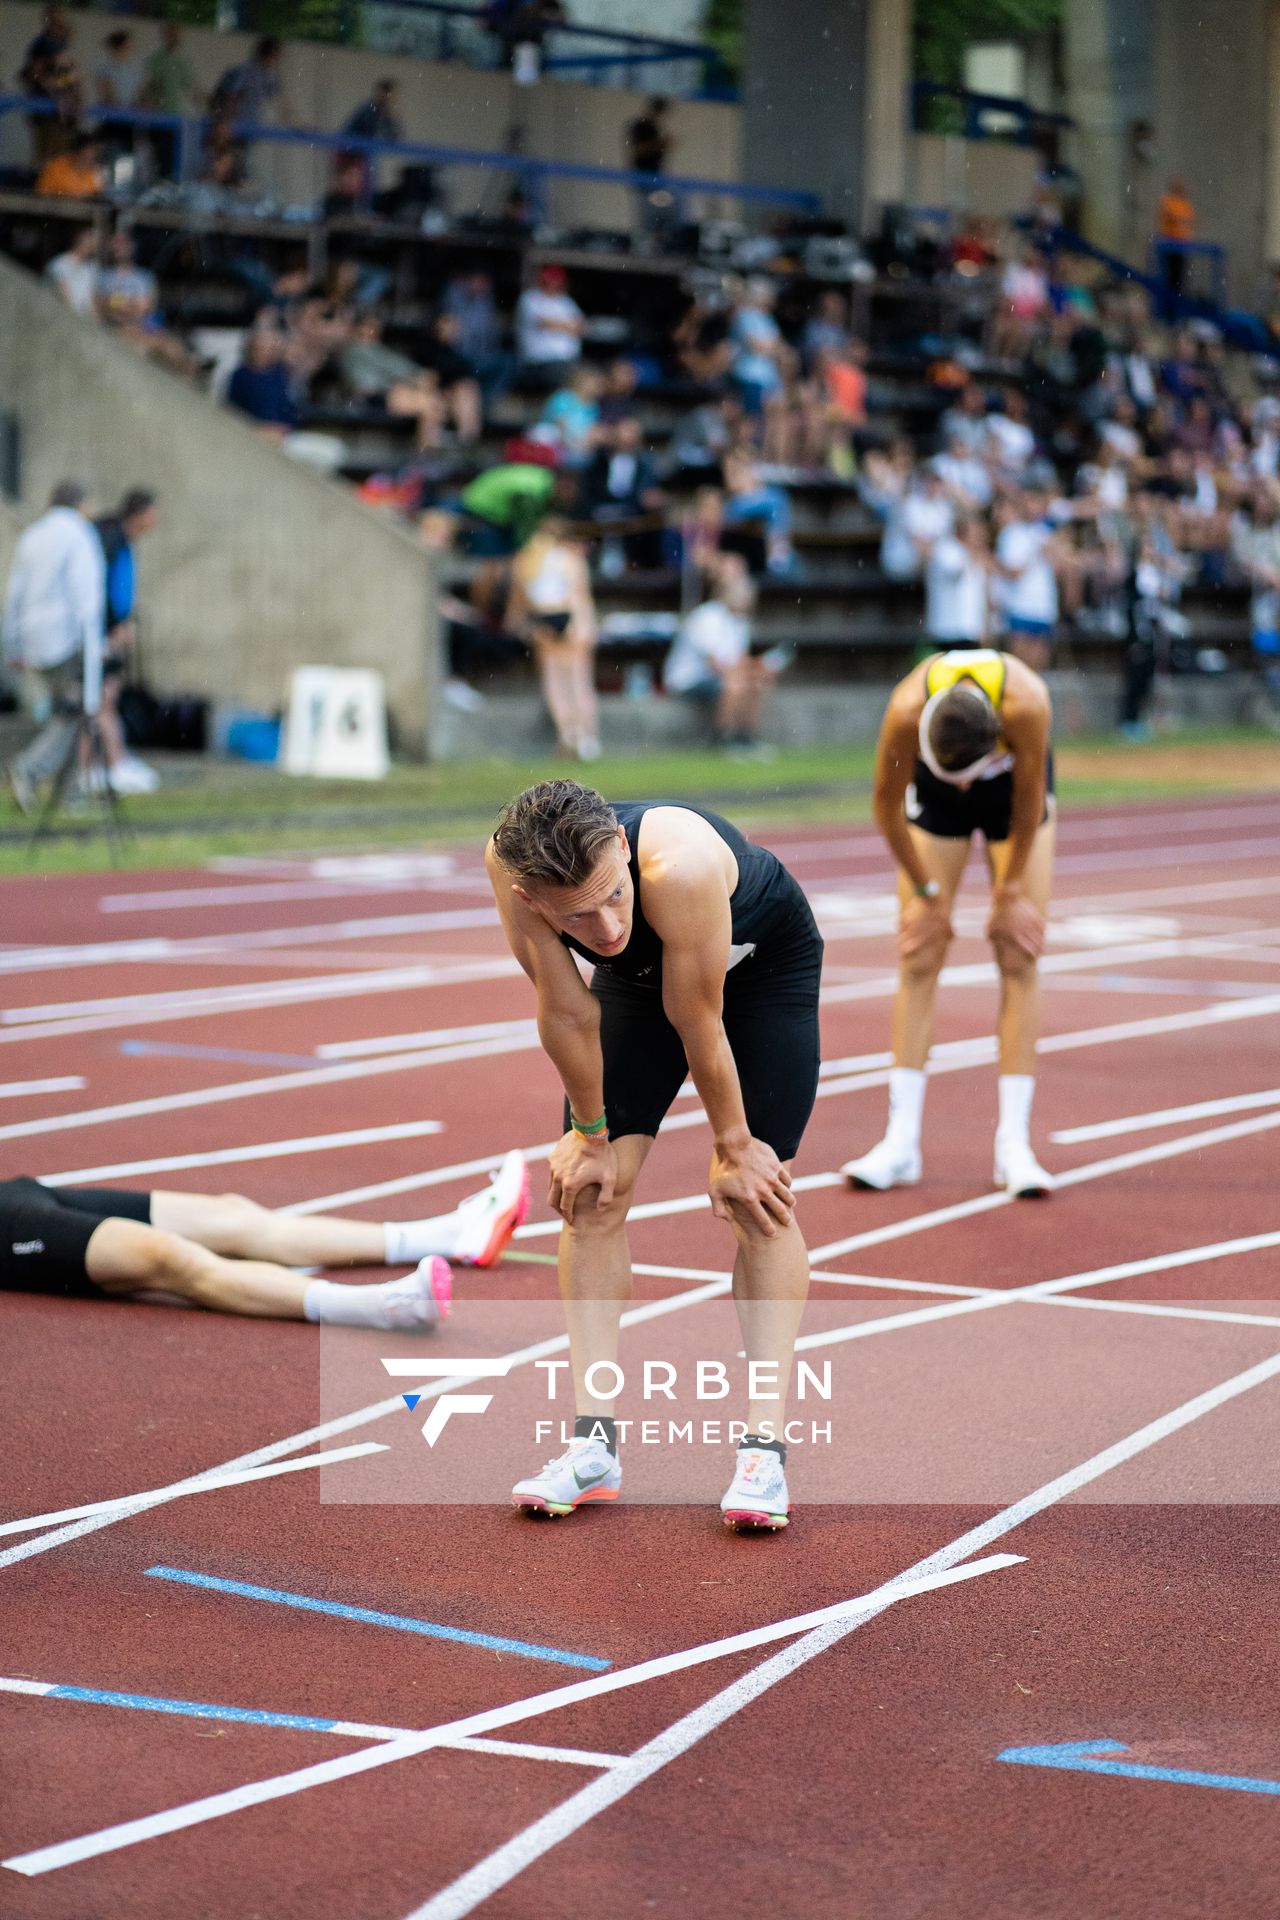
(28, 1246)
(447, 1404)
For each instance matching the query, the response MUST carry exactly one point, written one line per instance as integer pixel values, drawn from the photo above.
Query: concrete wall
(1203, 74)
(258, 565)
(441, 104)
(991, 178)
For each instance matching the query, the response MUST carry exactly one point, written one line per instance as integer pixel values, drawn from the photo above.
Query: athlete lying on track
(224, 1252)
(964, 749)
(706, 962)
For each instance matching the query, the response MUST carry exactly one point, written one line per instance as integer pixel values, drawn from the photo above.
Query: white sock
(409, 1241)
(1015, 1091)
(906, 1106)
(331, 1304)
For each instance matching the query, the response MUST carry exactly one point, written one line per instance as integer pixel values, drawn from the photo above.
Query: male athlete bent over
(706, 962)
(222, 1251)
(964, 749)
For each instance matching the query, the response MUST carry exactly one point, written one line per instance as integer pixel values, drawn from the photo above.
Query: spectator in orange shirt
(1176, 221)
(75, 175)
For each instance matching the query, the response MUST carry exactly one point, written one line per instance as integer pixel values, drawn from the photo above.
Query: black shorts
(956, 813)
(770, 1018)
(45, 1233)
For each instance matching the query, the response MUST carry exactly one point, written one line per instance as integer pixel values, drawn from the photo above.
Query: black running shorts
(45, 1233)
(956, 813)
(770, 1018)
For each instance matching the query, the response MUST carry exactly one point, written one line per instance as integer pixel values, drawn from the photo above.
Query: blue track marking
(197, 1709)
(238, 1056)
(1076, 1756)
(496, 1643)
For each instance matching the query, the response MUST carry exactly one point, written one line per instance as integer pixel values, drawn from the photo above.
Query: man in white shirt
(549, 324)
(1010, 443)
(925, 515)
(711, 659)
(1028, 554)
(74, 274)
(955, 587)
(52, 629)
(964, 474)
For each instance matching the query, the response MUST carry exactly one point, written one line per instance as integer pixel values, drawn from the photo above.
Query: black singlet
(761, 905)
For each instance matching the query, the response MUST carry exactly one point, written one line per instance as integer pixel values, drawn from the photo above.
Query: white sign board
(337, 724)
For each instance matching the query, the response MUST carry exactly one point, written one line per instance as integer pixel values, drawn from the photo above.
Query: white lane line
(340, 1424)
(23, 1089)
(480, 1882)
(1167, 1116)
(1195, 853)
(363, 1730)
(1074, 1176)
(138, 1502)
(1160, 1312)
(233, 1156)
(1039, 1290)
(214, 1806)
(517, 1030)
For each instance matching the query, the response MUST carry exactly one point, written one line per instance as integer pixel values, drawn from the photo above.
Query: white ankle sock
(409, 1241)
(1014, 1092)
(906, 1106)
(331, 1304)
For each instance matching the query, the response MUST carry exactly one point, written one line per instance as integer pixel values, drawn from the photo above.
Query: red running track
(211, 1013)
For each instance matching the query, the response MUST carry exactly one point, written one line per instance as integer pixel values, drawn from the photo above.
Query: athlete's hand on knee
(578, 1163)
(749, 1178)
(1018, 920)
(922, 924)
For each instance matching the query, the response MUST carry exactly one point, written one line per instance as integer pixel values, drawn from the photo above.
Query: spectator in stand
(843, 398)
(549, 328)
(1175, 226)
(618, 393)
(463, 400)
(648, 144)
(1029, 551)
(1009, 441)
(711, 431)
(520, 27)
(918, 517)
(965, 476)
(469, 303)
(374, 372)
(573, 412)
(966, 419)
(504, 506)
(74, 274)
(1255, 546)
(73, 173)
(52, 631)
(169, 86)
(761, 355)
(374, 119)
(621, 485)
(128, 302)
(51, 78)
(118, 532)
(701, 344)
(552, 606)
(701, 532)
(1154, 574)
(224, 156)
(260, 386)
(251, 91)
(827, 328)
(956, 601)
(118, 84)
(751, 499)
(1023, 304)
(711, 660)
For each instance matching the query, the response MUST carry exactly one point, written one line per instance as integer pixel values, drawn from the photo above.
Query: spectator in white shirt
(964, 475)
(1009, 442)
(955, 587)
(1028, 553)
(549, 327)
(74, 274)
(711, 659)
(54, 611)
(924, 515)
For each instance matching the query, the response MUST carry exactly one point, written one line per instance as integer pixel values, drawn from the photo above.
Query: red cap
(552, 278)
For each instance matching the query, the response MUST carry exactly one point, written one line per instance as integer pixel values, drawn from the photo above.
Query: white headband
(959, 776)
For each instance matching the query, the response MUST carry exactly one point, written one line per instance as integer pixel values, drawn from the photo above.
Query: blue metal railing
(1238, 327)
(531, 171)
(1163, 252)
(1031, 126)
